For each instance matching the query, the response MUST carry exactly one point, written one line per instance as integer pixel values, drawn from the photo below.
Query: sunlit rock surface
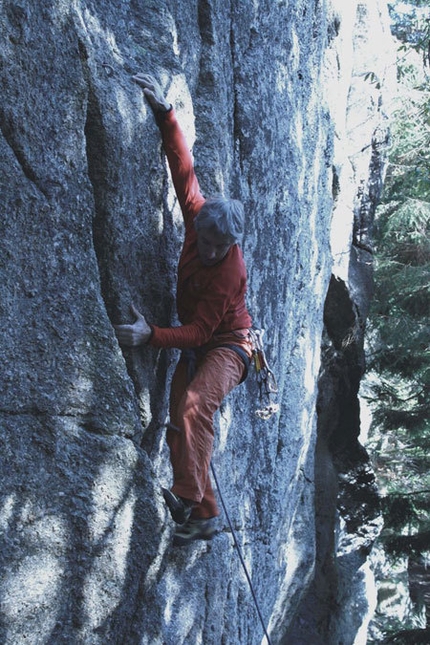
(89, 223)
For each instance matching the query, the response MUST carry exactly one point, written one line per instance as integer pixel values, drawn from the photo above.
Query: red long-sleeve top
(209, 299)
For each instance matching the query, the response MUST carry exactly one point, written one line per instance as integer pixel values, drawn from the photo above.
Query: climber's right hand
(136, 334)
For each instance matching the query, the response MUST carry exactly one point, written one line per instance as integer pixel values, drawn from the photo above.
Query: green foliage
(399, 510)
(409, 637)
(409, 545)
(398, 336)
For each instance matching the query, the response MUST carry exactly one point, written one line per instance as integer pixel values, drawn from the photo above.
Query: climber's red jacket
(209, 299)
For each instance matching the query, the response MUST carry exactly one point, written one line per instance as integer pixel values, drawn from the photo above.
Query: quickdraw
(265, 378)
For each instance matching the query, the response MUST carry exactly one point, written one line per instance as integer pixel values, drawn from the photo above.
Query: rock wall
(89, 223)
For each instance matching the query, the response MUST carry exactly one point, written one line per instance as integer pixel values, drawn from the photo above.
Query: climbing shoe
(194, 529)
(180, 509)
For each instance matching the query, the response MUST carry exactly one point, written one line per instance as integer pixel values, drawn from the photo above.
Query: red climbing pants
(192, 407)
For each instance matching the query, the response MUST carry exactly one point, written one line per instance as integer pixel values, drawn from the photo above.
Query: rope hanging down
(239, 552)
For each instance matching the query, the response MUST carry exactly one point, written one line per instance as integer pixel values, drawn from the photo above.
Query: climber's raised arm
(177, 151)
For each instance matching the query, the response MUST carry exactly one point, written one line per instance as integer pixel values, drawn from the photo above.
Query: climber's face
(212, 246)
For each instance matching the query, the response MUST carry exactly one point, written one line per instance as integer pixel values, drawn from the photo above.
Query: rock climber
(214, 332)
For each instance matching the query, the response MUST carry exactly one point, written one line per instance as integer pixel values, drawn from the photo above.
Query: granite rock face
(89, 224)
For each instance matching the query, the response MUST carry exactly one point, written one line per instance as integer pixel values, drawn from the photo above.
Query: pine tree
(399, 330)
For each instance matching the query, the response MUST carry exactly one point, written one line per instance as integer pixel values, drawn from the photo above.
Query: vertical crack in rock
(97, 152)
(95, 138)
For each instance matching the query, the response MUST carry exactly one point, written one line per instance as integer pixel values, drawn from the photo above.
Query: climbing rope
(239, 552)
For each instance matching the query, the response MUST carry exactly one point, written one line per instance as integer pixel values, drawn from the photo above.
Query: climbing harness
(243, 355)
(190, 357)
(239, 552)
(265, 377)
